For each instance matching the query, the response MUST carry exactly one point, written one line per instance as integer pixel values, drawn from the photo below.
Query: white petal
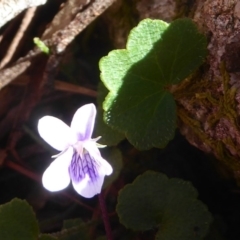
(56, 176)
(107, 167)
(94, 151)
(83, 121)
(87, 188)
(55, 132)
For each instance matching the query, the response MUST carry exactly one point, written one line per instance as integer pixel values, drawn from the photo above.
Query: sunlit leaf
(41, 45)
(109, 136)
(138, 78)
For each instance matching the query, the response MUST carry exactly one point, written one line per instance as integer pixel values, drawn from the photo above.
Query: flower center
(83, 165)
(78, 147)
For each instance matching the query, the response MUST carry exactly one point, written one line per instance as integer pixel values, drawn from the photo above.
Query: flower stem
(105, 217)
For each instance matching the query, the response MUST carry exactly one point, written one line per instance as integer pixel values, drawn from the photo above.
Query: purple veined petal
(83, 121)
(56, 176)
(55, 132)
(95, 153)
(87, 174)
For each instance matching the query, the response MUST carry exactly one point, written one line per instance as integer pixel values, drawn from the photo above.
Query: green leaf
(17, 221)
(114, 157)
(76, 222)
(41, 45)
(102, 238)
(73, 229)
(46, 237)
(157, 55)
(154, 201)
(109, 136)
(216, 229)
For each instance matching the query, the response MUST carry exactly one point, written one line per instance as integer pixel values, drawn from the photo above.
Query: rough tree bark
(209, 101)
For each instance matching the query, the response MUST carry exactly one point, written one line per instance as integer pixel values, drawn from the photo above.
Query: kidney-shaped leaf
(138, 78)
(154, 201)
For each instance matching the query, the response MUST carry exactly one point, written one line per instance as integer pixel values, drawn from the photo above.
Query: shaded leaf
(157, 55)
(109, 136)
(154, 201)
(114, 157)
(17, 221)
(73, 229)
(46, 237)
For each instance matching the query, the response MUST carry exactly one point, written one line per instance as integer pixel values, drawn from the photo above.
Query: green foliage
(110, 137)
(41, 45)
(46, 237)
(215, 232)
(73, 229)
(102, 238)
(154, 201)
(17, 221)
(138, 78)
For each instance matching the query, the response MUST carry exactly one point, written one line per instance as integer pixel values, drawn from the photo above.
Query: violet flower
(80, 159)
